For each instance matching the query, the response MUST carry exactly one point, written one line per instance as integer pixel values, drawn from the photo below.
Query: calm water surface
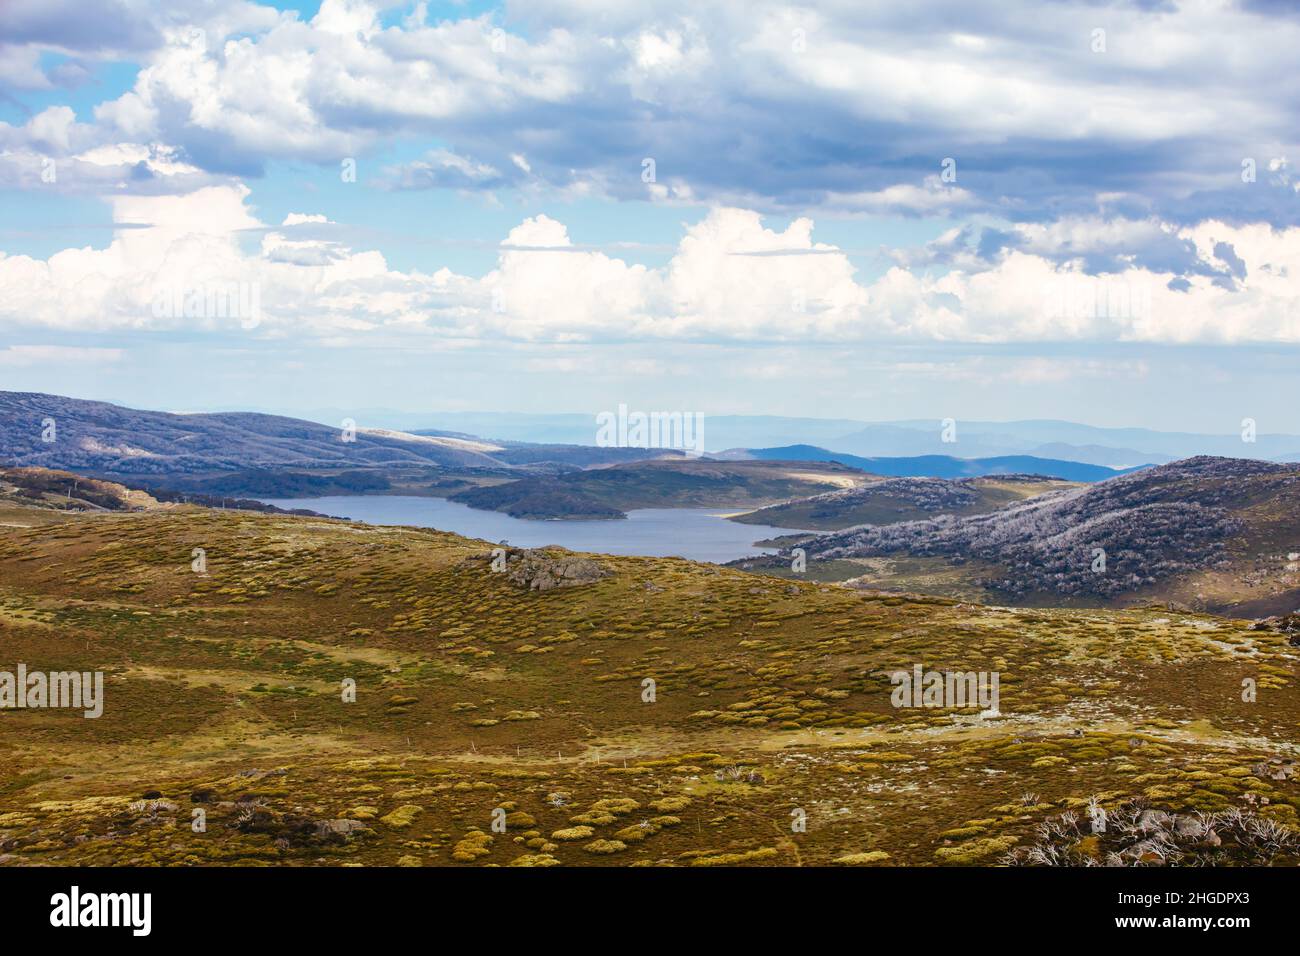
(696, 533)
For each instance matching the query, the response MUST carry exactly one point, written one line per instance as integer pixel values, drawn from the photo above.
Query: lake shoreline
(697, 534)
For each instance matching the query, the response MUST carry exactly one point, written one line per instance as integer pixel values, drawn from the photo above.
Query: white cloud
(931, 198)
(731, 278)
(442, 167)
(300, 218)
(52, 152)
(325, 89)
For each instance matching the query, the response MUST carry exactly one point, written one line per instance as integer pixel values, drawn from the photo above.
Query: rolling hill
(1212, 533)
(54, 432)
(891, 500)
(331, 693)
(681, 483)
(64, 491)
(29, 490)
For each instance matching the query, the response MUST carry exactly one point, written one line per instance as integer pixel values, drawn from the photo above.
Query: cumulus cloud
(54, 153)
(730, 279)
(90, 33)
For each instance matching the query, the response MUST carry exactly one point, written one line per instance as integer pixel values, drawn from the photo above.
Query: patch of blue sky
(40, 224)
(462, 230)
(107, 81)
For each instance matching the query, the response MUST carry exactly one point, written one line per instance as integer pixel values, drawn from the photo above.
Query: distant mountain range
(938, 466)
(1040, 438)
(252, 453)
(1117, 447)
(1057, 440)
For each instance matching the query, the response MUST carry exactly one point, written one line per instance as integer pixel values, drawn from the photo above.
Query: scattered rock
(1153, 820)
(343, 828)
(540, 570)
(1275, 768)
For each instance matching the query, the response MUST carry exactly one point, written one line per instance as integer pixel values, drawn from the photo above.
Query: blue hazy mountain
(1043, 440)
(1057, 440)
(1071, 441)
(945, 466)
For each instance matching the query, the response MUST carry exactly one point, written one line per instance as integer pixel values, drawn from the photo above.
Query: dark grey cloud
(792, 145)
(1049, 110)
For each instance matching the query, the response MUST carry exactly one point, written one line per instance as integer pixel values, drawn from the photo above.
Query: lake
(700, 534)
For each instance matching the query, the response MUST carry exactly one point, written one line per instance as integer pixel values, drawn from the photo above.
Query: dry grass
(473, 695)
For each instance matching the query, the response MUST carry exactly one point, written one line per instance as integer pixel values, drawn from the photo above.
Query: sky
(880, 211)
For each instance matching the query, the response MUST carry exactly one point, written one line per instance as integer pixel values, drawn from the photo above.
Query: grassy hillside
(482, 693)
(669, 483)
(64, 491)
(26, 492)
(901, 499)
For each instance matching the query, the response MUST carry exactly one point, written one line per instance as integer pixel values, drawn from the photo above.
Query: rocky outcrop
(543, 570)
(1288, 624)
(1151, 526)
